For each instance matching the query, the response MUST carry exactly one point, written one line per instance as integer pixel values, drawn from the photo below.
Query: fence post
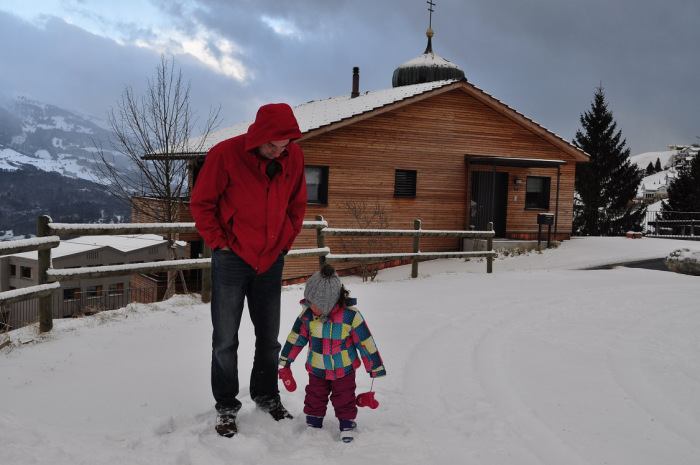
(206, 277)
(489, 247)
(320, 243)
(44, 263)
(416, 249)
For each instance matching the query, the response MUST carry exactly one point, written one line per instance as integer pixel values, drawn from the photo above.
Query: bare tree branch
(153, 131)
(158, 124)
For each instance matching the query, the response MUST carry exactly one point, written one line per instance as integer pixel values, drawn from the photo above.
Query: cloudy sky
(544, 58)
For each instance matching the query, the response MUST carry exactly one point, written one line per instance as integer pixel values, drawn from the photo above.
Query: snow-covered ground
(538, 363)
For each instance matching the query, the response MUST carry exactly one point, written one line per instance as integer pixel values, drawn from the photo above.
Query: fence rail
(673, 225)
(49, 279)
(26, 311)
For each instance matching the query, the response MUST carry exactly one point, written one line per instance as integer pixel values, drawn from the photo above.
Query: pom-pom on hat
(323, 289)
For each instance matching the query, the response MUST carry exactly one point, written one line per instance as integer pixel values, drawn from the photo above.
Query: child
(338, 337)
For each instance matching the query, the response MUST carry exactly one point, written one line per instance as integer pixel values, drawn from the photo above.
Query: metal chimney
(355, 82)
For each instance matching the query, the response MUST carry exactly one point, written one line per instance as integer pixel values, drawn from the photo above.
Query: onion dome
(427, 67)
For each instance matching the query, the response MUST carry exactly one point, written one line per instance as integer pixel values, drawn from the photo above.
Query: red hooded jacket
(235, 203)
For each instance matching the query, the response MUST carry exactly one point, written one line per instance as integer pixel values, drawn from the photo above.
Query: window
(116, 289)
(405, 183)
(26, 272)
(316, 185)
(71, 294)
(13, 270)
(537, 193)
(94, 291)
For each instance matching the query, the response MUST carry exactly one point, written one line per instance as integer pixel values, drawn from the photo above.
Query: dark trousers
(234, 281)
(342, 395)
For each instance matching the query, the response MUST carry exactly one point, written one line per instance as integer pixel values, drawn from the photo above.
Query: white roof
(122, 243)
(318, 113)
(429, 60)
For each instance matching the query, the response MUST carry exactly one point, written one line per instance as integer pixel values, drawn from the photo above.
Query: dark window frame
(26, 272)
(322, 190)
(538, 190)
(71, 293)
(405, 184)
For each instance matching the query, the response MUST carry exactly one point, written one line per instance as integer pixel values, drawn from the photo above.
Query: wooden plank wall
(432, 137)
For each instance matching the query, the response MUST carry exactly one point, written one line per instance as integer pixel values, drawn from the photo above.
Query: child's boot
(314, 422)
(347, 430)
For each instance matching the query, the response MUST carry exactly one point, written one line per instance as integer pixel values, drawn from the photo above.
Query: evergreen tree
(607, 184)
(658, 167)
(650, 169)
(684, 191)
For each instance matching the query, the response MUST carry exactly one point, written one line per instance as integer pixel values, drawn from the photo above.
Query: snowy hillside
(539, 363)
(52, 139)
(63, 164)
(642, 160)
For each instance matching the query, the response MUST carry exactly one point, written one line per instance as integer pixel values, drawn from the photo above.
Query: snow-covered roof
(319, 113)
(428, 60)
(122, 243)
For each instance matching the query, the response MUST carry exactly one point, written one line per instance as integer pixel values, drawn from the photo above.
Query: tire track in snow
(491, 370)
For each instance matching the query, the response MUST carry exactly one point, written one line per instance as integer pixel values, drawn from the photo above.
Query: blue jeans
(233, 281)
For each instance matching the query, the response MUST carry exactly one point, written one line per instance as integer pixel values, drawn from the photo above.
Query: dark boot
(347, 430)
(274, 407)
(226, 424)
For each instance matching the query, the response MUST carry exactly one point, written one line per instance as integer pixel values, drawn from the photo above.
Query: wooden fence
(49, 236)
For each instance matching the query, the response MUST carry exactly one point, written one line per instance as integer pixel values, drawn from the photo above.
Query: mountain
(53, 139)
(47, 167)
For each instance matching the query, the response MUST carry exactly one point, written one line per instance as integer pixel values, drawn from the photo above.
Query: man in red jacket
(248, 204)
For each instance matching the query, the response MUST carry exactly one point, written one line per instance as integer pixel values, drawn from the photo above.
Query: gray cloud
(543, 58)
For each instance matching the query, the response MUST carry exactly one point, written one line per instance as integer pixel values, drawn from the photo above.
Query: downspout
(493, 194)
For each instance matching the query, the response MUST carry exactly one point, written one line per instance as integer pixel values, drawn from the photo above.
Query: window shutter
(405, 183)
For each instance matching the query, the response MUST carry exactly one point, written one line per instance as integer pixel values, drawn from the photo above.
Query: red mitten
(285, 374)
(366, 399)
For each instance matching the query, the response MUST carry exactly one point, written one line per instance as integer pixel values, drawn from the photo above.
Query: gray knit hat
(323, 289)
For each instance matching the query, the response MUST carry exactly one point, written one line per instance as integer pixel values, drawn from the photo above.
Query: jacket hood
(274, 121)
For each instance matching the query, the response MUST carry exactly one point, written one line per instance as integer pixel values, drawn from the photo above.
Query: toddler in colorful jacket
(339, 342)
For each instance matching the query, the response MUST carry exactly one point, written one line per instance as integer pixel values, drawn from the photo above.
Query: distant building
(655, 187)
(683, 156)
(90, 295)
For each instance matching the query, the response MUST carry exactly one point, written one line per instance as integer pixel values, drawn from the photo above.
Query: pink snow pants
(342, 394)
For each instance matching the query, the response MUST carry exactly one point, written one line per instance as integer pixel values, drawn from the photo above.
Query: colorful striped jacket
(333, 345)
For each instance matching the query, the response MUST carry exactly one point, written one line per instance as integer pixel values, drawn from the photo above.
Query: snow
(429, 60)
(40, 288)
(66, 164)
(642, 160)
(538, 363)
(81, 244)
(31, 242)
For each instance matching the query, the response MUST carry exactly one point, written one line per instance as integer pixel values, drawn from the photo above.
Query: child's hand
(285, 374)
